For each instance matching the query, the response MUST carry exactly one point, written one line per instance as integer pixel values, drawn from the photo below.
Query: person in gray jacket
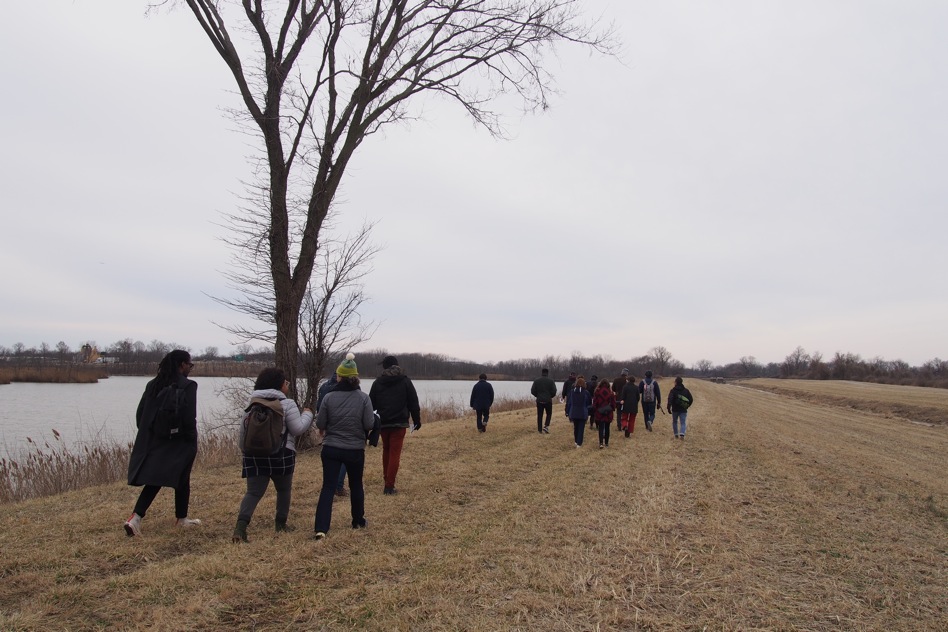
(344, 420)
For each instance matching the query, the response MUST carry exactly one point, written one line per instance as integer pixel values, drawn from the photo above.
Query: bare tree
(703, 366)
(661, 357)
(319, 77)
(330, 321)
(795, 364)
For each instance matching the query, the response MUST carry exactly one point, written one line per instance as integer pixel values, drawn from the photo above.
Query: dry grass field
(776, 513)
(914, 403)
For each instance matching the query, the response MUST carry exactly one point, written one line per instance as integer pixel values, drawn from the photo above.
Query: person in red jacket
(604, 403)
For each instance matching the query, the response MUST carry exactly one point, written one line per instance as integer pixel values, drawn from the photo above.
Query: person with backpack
(578, 401)
(650, 396)
(629, 407)
(268, 432)
(604, 403)
(345, 420)
(166, 442)
(394, 397)
(544, 390)
(679, 401)
(482, 398)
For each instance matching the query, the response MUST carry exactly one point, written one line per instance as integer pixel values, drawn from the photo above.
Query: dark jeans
(604, 431)
(579, 429)
(544, 407)
(341, 483)
(182, 496)
(648, 411)
(333, 459)
(483, 414)
(257, 487)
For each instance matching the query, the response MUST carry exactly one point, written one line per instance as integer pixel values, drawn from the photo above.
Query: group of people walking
(346, 418)
(597, 402)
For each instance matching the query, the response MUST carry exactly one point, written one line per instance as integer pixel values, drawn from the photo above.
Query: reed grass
(59, 374)
(49, 467)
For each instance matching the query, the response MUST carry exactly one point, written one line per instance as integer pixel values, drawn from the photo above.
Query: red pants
(627, 422)
(392, 440)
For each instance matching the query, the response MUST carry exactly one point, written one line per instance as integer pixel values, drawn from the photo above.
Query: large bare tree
(317, 77)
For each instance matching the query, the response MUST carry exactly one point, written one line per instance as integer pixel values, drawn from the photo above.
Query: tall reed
(54, 468)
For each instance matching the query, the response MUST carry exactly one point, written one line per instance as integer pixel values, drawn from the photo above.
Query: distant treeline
(128, 357)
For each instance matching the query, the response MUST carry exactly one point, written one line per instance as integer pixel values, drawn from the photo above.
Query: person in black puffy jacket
(396, 401)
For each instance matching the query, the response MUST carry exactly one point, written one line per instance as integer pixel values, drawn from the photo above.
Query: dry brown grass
(775, 514)
(68, 373)
(913, 403)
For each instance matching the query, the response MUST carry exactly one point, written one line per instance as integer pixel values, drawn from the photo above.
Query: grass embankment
(774, 514)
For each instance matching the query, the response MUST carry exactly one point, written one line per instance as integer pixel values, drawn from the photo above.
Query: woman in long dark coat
(158, 461)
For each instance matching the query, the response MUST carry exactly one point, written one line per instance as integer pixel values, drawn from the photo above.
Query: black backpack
(167, 421)
(262, 430)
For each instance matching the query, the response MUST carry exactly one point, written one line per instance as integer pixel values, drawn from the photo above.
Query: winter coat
(618, 384)
(673, 398)
(346, 416)
(328, 386)
(578, 401)
(394, 397)
(602, 398)
(567, 386)
(544, 389)
(158, 461)
(482, 395)
(630, 398)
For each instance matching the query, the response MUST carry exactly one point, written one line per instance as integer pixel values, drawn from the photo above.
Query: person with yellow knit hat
(344, 419)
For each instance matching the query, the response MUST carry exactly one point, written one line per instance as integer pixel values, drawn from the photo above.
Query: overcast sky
(750, 176)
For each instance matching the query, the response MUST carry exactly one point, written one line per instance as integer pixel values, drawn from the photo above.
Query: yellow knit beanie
(348, 368)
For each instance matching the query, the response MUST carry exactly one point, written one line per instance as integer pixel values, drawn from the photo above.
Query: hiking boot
(627, 434)
(389, 491)
(133, 526)
(240, 532)
(360, 524)
(281, 526)
(187, 523)
(342, 493)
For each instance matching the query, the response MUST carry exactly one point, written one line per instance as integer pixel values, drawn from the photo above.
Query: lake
(105, 412)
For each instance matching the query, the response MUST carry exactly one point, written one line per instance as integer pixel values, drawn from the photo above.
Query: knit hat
(389, 362)
(348, 368)
(625, 371)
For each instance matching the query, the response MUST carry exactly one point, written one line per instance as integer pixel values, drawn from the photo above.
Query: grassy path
(776, 514)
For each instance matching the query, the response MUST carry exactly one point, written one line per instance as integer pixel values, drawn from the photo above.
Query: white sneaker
(187, 523)
(133, 526)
